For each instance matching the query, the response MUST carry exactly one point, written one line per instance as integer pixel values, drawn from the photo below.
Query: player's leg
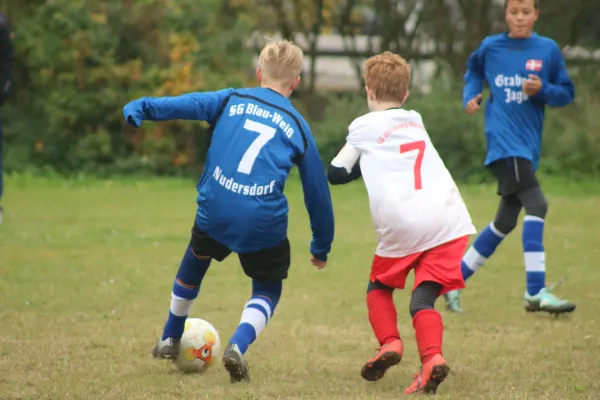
(257, 312)
(384, 321)
(489, 239)
(429, 328)
(193, 267)
(537, 296)
(436, 273)
(485, 244)
(386, 275)
(268, 269)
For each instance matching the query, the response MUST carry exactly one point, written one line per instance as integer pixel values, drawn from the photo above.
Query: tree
(302, 21)
(84, 60)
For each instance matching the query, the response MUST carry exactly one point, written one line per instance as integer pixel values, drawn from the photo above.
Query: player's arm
(344, 168)
(473, 79)
(201, 106)
(317, 199)
(559, 90)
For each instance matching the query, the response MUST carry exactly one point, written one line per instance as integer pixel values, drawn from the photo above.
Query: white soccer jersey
(415, 204)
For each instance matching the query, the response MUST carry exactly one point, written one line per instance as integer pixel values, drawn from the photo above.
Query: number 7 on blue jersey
(265, 133)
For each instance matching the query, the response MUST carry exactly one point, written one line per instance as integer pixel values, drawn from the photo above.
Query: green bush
(80, 62)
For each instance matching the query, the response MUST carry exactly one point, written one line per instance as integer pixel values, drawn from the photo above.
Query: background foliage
(79, 61)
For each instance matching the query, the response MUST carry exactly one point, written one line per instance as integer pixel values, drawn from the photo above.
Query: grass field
(86, 270)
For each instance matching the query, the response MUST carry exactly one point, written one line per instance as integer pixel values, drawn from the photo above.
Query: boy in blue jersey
(258, 136)
(525, 72)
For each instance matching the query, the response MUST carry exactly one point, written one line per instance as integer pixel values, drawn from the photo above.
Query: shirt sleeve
(346, 158)
(559, 90)
(475, 74)
(203, 106)
(317, 199)
(345, 168)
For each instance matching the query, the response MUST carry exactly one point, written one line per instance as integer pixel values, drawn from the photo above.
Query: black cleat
(235, 364)
(167, 349)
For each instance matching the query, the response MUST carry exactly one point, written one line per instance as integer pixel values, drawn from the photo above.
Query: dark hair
(536, 4)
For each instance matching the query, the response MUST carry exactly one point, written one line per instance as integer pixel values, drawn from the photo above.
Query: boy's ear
(370, 94)
(405, 97)
(295, 83)
(258, 74)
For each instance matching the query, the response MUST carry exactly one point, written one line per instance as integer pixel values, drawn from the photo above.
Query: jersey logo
(213, 123)
(403, 125)
(533, 65)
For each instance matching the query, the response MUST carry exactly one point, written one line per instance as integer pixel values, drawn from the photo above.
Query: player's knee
(377, 286)
(507, 216)
(423, 297)
(198, 254)
(505, 225)
(201, 257)
(192, 269)
(419, 304)
(538, 209)
(534, 202)
(269, 289)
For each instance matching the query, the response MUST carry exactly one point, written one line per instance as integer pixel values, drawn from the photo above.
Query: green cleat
(453, 301)
(547, 302)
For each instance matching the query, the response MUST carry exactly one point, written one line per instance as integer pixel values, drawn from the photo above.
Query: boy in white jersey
(421, 220)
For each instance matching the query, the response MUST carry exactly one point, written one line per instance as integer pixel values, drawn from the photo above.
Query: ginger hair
(388, 76)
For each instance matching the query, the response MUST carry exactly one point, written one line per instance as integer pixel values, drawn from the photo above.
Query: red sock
(382, 315)
(428, 331)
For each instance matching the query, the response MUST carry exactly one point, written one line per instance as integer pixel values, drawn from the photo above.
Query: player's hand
(131, 115)
(131, 120)
(473, 104)
(320, 264)
(533, 85)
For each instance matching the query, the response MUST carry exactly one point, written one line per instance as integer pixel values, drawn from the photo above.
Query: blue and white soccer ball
(200, 346)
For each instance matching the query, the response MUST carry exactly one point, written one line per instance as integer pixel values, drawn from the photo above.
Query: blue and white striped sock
(534, 254)
(482, 248)
(185, 289)
(257, 313)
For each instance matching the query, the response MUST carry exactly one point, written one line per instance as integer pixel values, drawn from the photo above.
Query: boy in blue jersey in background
(258, 136)
(525, 72)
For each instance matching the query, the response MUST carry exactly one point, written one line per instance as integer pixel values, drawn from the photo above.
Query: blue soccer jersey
(257, 137)
(513, 120)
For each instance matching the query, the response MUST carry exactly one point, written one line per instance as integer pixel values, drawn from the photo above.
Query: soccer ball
(200, 345)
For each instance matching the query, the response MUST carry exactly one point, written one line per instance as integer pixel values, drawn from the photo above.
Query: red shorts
(440, 264)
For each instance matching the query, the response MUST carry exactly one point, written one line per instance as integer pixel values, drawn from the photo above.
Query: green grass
(86, 269)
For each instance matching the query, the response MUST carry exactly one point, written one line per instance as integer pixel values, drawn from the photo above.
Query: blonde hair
(281, 62)
(388, 76)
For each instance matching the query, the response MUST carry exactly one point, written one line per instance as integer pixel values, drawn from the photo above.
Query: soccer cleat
(453, 301)
(546, 301)
(430, 376)
(167, 349)
(235, 364)
(387, 356)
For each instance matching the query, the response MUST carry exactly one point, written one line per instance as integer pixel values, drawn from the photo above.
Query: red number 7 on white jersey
(420, 147)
